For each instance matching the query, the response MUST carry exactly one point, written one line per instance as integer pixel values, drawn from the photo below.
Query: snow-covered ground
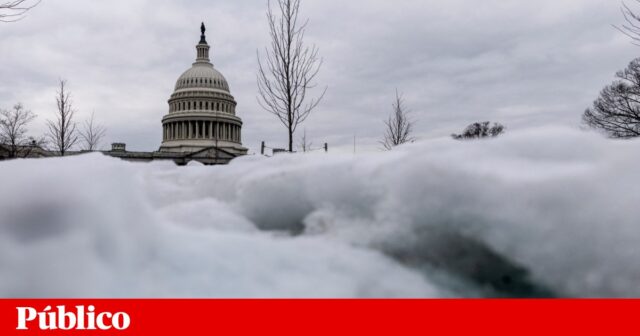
(539, 212)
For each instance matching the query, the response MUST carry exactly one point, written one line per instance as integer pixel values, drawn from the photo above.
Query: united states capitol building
(201, 124)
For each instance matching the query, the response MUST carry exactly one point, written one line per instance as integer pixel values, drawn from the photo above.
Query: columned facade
(202, 111)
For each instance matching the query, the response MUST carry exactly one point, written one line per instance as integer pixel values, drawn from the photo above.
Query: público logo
(83, 318)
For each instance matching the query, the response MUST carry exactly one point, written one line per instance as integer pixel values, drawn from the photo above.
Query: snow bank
(541, 212)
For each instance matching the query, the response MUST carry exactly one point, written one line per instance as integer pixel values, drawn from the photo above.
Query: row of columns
(204, 81)
(201, 129)
(200, 105)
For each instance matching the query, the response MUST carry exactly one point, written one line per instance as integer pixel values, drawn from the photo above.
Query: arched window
(201, 105)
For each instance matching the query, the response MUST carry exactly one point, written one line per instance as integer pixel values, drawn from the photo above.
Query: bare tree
(305, 144)
(92, 134)
(13, 128)
(617, 111)
(398, 127)
(631, 27)
(480, 130)
(62, 130)
(289, 69)
(14, 10)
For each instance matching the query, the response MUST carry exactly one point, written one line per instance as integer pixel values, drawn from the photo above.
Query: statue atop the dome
(203, 39)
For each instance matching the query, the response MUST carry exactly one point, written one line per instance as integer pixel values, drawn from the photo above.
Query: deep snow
(538, 212)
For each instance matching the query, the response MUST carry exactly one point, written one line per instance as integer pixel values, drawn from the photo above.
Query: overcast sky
(522, 63)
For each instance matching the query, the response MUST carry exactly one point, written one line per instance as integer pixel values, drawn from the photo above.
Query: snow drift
(536, 213)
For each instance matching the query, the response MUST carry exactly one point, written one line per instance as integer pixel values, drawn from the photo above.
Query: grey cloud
(520, 63)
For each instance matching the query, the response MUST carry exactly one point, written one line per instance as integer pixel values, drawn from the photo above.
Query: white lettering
(23, 317)
(80, 319)
(121, 321)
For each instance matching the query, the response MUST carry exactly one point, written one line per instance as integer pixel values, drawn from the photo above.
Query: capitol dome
(202, 75)
(202, 112)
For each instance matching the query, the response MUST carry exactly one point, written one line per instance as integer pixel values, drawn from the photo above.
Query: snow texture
(545, 212)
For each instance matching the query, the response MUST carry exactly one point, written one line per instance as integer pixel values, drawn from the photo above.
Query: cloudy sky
(522, 63)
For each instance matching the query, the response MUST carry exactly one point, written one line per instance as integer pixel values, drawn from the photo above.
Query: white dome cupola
(202, 111)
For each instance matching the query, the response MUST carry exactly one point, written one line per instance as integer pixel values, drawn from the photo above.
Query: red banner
(326, 317)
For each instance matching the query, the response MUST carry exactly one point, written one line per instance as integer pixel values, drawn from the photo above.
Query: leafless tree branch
(14, 10)
(62, 130)
(289, 68)
(13, 129)
(92, 134)
(399, 126)
(617, 111)
(305, 144)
